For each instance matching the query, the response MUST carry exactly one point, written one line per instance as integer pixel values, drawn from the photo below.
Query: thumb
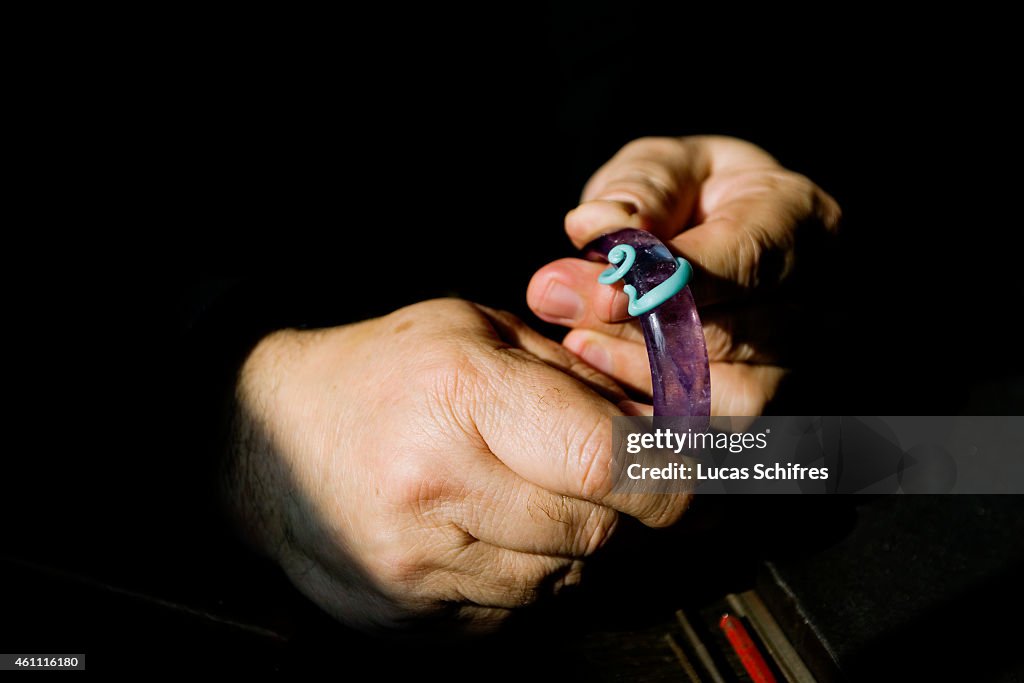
(651, 183)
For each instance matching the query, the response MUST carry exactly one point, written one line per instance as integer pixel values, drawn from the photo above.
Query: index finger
(723, 204)
(651, 184)
(555, 432)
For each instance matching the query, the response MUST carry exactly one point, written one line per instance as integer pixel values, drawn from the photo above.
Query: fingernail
(620, 306)
(597, 356)
(561, 302)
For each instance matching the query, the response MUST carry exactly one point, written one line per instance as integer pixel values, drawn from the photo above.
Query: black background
(168, 166)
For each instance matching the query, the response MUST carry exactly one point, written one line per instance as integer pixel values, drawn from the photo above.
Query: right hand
(442, 461)
(749, 227)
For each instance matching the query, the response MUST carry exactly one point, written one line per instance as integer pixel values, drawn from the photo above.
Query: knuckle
(414, 484)
(441, 352)
(552, 507)
(442, 355)
(445, 382)
(596, 530)
(592, 461)
(646, 185)
(511, 586)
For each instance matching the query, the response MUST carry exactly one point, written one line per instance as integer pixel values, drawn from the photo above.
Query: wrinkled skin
(748, 226)
(443, 462)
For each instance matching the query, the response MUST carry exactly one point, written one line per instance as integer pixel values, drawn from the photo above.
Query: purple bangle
(680, 374)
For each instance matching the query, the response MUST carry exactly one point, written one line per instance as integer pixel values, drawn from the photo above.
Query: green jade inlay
(623, 256)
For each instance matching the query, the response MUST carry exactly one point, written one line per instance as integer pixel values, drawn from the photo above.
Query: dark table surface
(890, 588)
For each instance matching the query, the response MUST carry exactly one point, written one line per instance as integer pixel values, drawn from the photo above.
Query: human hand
(442, 461)
(747, 225)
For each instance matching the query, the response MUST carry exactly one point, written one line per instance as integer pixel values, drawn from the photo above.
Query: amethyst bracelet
(656, 284)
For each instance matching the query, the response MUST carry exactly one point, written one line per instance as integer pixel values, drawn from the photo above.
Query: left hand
(744, 222)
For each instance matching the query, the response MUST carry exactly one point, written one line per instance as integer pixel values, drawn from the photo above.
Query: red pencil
(745, 649)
